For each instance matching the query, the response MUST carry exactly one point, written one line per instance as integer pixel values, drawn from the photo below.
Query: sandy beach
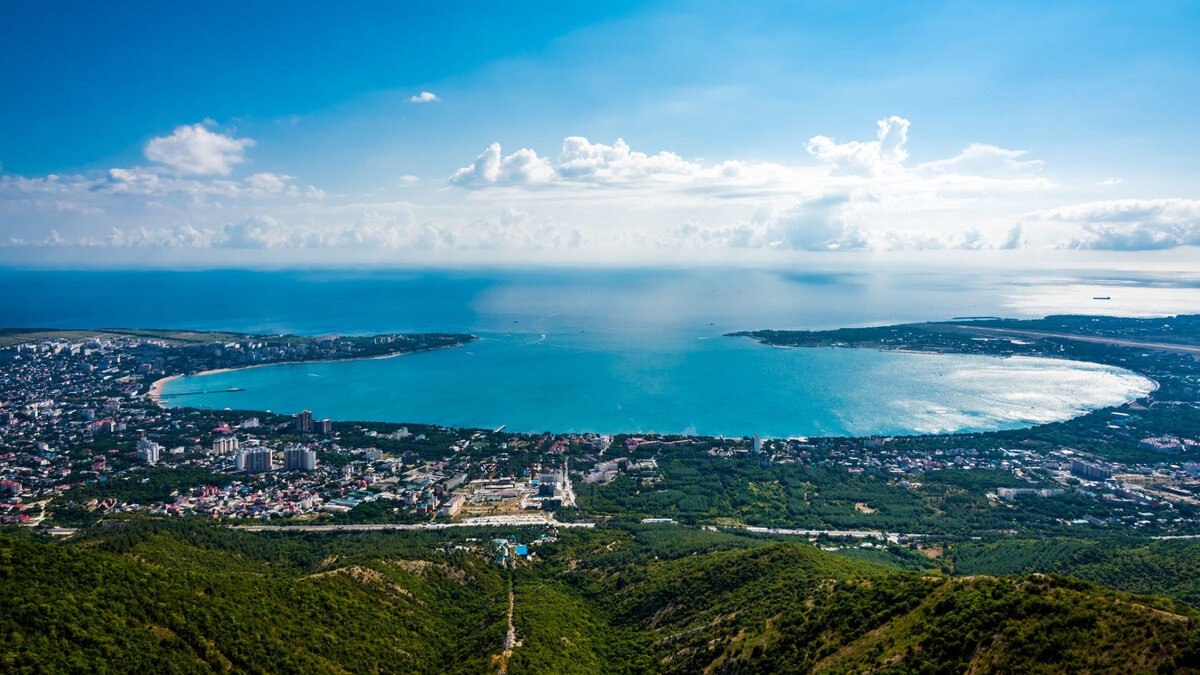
(155, 392)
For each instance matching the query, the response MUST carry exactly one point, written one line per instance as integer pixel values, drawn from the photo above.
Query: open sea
(616, 351)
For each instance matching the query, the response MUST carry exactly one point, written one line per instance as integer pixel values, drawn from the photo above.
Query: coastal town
(85, 435)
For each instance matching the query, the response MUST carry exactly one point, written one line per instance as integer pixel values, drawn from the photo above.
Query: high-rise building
(756, 444)
(255, 460)
(324, 426)
(224, 444)
(302, 422)
(1089, 470)
(299, 459)
(148, 451)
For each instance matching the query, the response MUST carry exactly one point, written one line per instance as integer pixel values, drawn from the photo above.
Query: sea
(618, 350)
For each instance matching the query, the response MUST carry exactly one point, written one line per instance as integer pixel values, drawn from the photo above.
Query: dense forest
(185, 596)
(1169, 568)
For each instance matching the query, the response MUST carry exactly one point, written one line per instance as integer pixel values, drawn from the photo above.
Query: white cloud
(980, 159)
(857, 195)
(815, 225)
(885, 154)
(254, 232)
(871, 166)
(424, 97)
(195, 150)
(1131, 224)
(523, 167)
(582, 160)
(1013, 240)
(269, 182)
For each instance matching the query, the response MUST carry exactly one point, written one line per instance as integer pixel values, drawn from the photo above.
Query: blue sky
(218, 130)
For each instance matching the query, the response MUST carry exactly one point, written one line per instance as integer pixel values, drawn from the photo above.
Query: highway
(523, 520)
(856, 534)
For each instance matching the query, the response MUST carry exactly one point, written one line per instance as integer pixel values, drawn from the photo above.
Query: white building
(148, 451)
(224, 445)
(453, 505)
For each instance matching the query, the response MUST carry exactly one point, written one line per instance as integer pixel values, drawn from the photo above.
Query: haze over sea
(612, 351)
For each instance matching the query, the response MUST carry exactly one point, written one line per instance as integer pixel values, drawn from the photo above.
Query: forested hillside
(161, 597)
(1170, 568)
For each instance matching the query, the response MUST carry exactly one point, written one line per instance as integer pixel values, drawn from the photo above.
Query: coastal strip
(155, 393)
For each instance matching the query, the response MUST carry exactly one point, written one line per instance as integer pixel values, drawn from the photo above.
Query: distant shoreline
(1144, 386)
(155, 393)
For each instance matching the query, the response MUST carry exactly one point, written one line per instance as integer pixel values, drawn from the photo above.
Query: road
(856, 534)
(523, 520)
(535, 520)
(1156, 346)
(510, 640)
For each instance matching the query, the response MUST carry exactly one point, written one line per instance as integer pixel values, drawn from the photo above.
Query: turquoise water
(694, 384)
(625, 350)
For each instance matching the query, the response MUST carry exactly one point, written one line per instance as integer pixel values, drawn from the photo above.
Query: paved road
(856, 534)
(482, 521)
(1120, 342)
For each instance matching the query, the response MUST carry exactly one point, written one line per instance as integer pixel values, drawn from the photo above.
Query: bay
(623, 350)
(710, 385)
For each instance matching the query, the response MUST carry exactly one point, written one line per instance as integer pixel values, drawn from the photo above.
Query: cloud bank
(1133, 224)
(197, 192)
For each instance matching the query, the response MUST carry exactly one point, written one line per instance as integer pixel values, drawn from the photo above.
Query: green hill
(1170, 568)
(163, 597)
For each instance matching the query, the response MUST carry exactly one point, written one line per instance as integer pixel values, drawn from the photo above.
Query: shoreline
(155, 393)
(955, 352)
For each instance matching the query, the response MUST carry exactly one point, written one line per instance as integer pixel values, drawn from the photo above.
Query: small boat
(1097, 297)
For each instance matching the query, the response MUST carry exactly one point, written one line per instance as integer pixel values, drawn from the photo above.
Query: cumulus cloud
(395, 228)
(583, 162)
(875, 166)
(424, 97)
(523, 167)
(887, 153)
(269, 182)
(197, 151)
(595, 162)
(1132, 224)
(815, 225)
(257, 231)
(843, 195)
(1013, 240)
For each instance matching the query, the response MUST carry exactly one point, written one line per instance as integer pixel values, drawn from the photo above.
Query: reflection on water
(613, 350)
(722, 386)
